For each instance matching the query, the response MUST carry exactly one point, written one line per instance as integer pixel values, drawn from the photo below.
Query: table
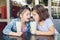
(26, 36)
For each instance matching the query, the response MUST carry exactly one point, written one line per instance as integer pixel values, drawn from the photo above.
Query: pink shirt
(23, 28)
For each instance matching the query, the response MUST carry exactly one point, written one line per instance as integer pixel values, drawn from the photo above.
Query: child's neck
(41, 23)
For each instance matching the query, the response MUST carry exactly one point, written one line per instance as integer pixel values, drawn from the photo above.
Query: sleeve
(49, 22)
(7, 29)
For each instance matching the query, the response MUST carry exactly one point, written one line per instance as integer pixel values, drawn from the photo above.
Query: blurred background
(9, 9)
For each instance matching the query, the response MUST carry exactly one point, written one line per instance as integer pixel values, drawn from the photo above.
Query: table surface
(26, 36)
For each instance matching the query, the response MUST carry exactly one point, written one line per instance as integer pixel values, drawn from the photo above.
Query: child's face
(35, 16)
(25, 15)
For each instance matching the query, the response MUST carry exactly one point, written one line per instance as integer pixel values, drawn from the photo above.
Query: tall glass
(33, 27)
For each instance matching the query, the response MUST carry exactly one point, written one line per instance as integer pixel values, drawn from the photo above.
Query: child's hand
(19, 33)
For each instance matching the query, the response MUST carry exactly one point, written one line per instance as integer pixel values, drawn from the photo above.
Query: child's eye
(34, 14)
(28, 14)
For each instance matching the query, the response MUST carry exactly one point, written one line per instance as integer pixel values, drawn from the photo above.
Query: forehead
(26, 11)
(34, 12)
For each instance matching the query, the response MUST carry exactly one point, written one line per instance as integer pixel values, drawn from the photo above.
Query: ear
(20, 15)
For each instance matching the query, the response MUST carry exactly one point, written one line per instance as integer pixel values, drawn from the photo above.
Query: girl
(24, 18)
(45, 25)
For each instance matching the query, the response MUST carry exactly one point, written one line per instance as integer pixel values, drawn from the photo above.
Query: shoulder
(48, 20)
(16, 19)
(13, 21)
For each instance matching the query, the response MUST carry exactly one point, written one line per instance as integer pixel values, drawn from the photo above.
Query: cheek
(25, 18)
(36, 18)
